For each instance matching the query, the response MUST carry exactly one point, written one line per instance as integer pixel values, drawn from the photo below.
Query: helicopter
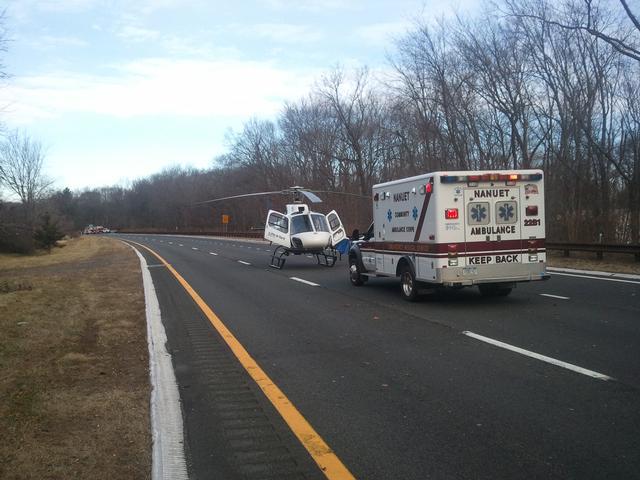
(299, 230)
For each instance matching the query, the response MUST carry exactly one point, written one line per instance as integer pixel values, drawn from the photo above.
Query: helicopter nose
(311, 240)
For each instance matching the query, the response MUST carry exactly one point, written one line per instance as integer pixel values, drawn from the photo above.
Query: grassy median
(74, 385)
(611, 262)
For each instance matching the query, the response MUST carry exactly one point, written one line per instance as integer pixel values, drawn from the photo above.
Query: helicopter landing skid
(326, 257)
(279, 257)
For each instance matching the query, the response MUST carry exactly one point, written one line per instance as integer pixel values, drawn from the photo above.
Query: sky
(117, 90)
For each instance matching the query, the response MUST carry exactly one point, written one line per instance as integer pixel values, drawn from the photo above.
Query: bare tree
(21, 170)
(586, 16)
(357, 112)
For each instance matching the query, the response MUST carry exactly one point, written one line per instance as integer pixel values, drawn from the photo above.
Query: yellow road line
(328, 461)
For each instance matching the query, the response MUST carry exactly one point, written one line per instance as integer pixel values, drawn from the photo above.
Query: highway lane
(398, 392)
(595, 324)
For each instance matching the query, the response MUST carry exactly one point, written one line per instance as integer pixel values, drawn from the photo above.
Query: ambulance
(455, 229)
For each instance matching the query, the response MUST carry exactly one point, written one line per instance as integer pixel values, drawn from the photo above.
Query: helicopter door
(335, 225)
(276, 229)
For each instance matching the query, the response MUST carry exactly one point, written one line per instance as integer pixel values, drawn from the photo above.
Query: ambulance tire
(408, 284)
(354, 273)
(493, 290)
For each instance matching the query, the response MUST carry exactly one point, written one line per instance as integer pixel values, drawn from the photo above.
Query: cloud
(380, 34)
(133, 33)
(157, 86)
(313, 6)
(279, 32)
(47, 42)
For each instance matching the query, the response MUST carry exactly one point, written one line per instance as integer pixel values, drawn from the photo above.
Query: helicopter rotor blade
(311, 196)
(238, 196)
(343, 193)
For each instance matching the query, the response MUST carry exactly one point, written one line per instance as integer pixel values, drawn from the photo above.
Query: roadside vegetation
(74, 388)
(611, 262)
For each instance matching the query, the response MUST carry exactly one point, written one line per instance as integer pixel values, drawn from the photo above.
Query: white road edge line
(306, 282)
(537, 356)
(554, 296)
(597, 273)
(167, 457)
(595, 278)
(243, 262)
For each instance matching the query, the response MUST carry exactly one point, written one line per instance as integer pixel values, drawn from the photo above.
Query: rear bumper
(482, 274)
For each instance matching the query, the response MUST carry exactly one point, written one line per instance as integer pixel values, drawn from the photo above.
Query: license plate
(469, 270)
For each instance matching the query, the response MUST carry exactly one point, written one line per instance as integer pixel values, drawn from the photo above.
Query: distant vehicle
(91, 230)
(455, 229)
(298, 230)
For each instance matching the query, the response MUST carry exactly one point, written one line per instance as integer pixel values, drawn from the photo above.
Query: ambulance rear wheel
(354, 274)
(408, 285)
(493, 290)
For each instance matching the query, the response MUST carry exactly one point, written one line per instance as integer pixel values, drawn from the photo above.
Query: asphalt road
(396, 389)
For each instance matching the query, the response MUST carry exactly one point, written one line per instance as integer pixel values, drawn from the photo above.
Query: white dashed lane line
(306, 282)
(180, 245)
(537, 356)
(554, 296)
(243, 262)
(213, 253)
(194, 248)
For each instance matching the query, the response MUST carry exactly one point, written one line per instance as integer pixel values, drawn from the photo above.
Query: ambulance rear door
(492, 225)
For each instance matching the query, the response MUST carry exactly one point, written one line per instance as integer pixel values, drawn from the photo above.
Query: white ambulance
(455, 229)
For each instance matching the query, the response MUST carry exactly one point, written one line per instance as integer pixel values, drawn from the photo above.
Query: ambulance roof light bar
(490, 177)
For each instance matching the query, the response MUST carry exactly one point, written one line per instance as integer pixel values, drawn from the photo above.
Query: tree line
(526, 85)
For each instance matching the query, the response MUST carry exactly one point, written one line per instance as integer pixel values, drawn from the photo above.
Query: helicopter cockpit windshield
(309, 223)
(301, 224)
(320, 223)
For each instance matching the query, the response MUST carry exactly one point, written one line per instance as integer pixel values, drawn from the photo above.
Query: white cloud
(279, 32)
(313, 6)
(137, 34)
(381, 34)
(192, 88)
(46, 42)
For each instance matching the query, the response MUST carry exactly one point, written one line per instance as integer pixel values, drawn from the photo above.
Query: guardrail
(598, 248)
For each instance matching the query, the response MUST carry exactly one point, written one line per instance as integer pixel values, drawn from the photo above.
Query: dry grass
(74, 388)
(612, 262)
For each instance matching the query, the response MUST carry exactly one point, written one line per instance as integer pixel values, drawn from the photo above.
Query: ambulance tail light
(532, 210)
(532, 247)
(451, 214)
(452, 251)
